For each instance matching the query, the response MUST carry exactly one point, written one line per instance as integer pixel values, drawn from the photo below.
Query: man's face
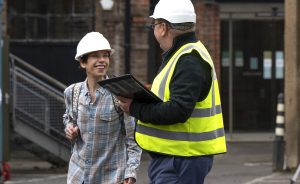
(156, 25)
(161, 33)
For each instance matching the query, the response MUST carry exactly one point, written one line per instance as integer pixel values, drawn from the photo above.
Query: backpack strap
(116, 104)
(75, 100)
(115, 100)
(120, 112)
(118, 109)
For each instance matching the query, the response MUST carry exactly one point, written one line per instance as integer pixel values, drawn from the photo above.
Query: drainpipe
(230, 87)
(127, 35)
(1, 87)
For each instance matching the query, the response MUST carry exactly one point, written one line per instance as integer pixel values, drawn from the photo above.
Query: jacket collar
(178, 42)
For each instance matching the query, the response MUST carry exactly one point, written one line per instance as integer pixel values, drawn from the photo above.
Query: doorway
(252, 73)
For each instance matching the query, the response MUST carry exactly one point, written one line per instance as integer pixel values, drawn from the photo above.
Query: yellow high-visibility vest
(202, 134)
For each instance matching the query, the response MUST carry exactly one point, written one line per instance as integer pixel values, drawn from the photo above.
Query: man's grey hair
(182, 26)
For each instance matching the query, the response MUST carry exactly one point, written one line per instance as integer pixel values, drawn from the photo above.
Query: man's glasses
(152, 26)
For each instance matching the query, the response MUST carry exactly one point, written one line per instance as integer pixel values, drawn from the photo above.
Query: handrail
(37, 88)
(37, 106)
(37, 72)
(41, 85)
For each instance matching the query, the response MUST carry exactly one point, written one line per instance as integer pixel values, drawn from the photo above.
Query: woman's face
(97, 64)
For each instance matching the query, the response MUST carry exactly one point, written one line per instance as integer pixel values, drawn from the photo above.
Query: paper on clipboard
(129, 87)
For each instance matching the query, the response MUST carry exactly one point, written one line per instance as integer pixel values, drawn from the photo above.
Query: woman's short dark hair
(178, 26)
(84, 58)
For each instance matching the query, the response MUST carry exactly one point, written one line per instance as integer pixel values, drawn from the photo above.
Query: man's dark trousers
(179, 170)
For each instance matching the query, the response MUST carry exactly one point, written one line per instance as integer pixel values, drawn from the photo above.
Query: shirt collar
(85, 88)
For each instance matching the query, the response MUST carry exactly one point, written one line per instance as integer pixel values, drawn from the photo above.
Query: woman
(104, 148)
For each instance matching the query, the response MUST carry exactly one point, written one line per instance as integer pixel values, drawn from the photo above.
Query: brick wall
(139, 39)
(112, 25)
(208, 30)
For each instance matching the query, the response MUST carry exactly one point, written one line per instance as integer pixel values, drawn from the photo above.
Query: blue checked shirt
(105, 152)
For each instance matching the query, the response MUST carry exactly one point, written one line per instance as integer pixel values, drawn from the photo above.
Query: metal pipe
(1, 87)
(127, 35)
(230, 87)
(117, 57)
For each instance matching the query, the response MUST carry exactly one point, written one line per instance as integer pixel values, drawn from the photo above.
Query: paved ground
(245, 163)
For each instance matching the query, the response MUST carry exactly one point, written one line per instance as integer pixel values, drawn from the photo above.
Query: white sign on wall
(279, 64)
(239, 59)
(267, 65)
(253, 63)
(225, 59)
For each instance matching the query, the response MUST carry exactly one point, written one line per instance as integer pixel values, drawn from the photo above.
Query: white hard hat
(91, 42)
(178, 11)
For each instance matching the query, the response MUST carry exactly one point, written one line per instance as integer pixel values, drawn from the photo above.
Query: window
(48, 20)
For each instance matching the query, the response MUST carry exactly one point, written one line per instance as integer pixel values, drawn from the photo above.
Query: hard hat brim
(77, 58)
(183, 19)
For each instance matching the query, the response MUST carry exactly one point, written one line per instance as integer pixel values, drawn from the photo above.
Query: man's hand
(71, 131)
(125, 104)
(129, 181)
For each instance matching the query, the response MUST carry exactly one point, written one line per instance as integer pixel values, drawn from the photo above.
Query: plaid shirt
(105, 152)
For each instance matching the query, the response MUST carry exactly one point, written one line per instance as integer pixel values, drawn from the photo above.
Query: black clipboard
(129, 87)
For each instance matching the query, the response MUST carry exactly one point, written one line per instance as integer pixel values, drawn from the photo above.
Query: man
(104, 151)
(184, 131)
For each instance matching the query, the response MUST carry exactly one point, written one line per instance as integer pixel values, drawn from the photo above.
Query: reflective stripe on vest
(181, 136)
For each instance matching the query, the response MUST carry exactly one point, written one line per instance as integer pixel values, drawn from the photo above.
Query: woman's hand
(71, 131)
(129, 181)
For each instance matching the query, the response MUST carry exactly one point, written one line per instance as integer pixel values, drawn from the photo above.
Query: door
(251, 83)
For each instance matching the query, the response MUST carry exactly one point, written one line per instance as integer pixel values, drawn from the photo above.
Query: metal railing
(37, 99)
